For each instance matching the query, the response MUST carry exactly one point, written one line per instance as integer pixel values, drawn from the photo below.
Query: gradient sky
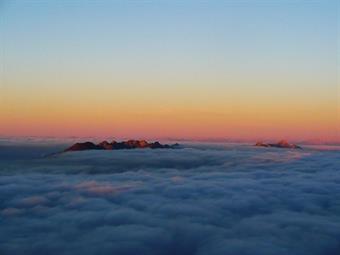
(181, 69)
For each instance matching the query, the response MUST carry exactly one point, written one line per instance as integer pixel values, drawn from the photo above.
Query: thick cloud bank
(202, 200)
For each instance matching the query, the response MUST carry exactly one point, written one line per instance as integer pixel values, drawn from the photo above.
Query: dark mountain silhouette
(82, 147)
(114, 145)
(280, 144)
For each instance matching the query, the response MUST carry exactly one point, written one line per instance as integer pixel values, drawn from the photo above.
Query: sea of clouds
(203, 199)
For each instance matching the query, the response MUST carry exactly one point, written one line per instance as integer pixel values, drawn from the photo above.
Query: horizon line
(315, 141)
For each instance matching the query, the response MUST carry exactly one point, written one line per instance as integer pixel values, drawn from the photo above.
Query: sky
(170, 69)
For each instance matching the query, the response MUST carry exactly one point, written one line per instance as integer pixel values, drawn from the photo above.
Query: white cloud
(203, 200)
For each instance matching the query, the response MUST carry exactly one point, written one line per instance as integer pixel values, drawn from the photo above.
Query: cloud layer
(202, 200)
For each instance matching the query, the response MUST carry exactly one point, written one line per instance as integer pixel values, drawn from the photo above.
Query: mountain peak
(280, 144)
(114, 145)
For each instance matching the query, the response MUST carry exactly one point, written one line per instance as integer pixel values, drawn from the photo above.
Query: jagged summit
(82, 146)
(114, 145)
(280, 144)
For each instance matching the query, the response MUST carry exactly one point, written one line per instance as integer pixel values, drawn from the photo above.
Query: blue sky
(193, 52)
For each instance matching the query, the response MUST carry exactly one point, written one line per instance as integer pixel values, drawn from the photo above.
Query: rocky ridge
(114, 145)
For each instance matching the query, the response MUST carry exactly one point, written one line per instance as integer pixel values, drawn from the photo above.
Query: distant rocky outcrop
(82, 147)
(280, 144)
(114, 145)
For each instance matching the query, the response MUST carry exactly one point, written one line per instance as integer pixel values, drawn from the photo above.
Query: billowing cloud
(214, 200)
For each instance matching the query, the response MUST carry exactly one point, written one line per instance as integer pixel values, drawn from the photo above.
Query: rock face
(82, 147)
(130, 144)
(280, 144)
(262, 144)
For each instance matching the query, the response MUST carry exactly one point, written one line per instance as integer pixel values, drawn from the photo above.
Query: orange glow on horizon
(231, 121)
